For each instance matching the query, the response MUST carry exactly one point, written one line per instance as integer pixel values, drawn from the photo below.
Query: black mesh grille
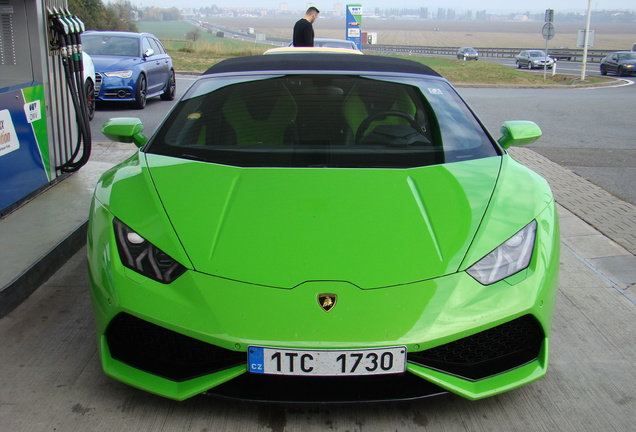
(487, 353)
(176, 357)
(164, 352)
(98, 83)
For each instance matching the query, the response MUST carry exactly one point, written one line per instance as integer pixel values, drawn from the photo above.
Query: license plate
(282, 361)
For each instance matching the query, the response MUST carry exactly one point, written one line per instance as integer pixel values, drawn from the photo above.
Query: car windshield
(96, 44)
(537, 54)
(322, 121)
(334, 44)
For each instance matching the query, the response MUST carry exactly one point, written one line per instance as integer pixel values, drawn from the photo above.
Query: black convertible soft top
(320, 61)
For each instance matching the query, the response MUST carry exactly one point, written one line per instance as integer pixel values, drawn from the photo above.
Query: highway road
(562, 66)
(585, 130)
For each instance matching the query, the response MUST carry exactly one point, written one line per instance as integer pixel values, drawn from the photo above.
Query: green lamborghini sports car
(322, 228)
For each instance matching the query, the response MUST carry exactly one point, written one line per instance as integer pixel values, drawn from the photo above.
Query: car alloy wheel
(171, 88)
(529, 65)
(603, 70)
(140, 95)
(89, 88)
(620, 72)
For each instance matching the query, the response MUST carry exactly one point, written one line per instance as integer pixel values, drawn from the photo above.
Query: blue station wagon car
(130, 67)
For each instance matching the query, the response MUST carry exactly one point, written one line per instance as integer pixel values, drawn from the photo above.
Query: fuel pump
(44, 115)
(66, 30)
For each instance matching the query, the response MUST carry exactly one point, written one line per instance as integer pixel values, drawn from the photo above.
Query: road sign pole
(545, 64)
(587, 36)
(548, 33)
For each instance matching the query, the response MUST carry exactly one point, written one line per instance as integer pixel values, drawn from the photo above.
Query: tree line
(449, 14)
(120, 15)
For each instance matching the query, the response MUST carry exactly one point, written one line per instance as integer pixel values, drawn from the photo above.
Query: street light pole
(587, 36)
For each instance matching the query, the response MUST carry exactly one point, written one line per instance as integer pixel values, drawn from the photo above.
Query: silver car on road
(533, 59)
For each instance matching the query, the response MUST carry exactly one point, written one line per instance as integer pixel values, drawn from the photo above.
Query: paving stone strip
(607, 213)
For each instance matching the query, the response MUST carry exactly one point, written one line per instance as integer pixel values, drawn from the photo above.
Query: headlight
(511, 257)
(140, 255)
(119, 74)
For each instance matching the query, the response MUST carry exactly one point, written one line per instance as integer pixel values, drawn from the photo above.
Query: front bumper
(191, 336)
(173, 365)
(114, 89)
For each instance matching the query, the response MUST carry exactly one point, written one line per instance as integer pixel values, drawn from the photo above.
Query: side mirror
(126, 130)
(149, 52)
(518, 133)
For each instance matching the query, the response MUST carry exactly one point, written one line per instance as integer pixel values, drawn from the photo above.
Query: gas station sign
(24, 148)
(354, 24)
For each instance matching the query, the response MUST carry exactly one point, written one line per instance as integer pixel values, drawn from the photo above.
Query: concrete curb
(19, 289)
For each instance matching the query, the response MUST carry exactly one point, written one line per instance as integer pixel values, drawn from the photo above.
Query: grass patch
(165, 30)
(476, 72)
(170, 32)
(197, 57)
(460, 72)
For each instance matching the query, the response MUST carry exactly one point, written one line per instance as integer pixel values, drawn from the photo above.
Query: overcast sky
(489, 5)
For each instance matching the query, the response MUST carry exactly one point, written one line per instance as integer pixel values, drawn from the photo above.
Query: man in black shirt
(304, 30)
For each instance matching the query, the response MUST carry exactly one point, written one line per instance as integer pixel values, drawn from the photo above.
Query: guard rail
(558, 53)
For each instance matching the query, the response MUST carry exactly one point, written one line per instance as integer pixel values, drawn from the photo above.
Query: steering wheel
(364, 125)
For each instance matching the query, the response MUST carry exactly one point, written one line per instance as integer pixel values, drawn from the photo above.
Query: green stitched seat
(260, 115)
(363, 102)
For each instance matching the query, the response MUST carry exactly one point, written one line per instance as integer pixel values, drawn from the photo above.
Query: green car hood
(281, 227)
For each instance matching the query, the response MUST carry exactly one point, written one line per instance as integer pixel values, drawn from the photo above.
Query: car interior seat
(367, 99)
(261, 114)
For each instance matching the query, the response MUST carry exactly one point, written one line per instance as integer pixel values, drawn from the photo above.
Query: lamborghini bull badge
(327, 301)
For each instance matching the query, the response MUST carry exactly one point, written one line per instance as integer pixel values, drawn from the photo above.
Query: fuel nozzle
(65, 30)
(60, 30)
